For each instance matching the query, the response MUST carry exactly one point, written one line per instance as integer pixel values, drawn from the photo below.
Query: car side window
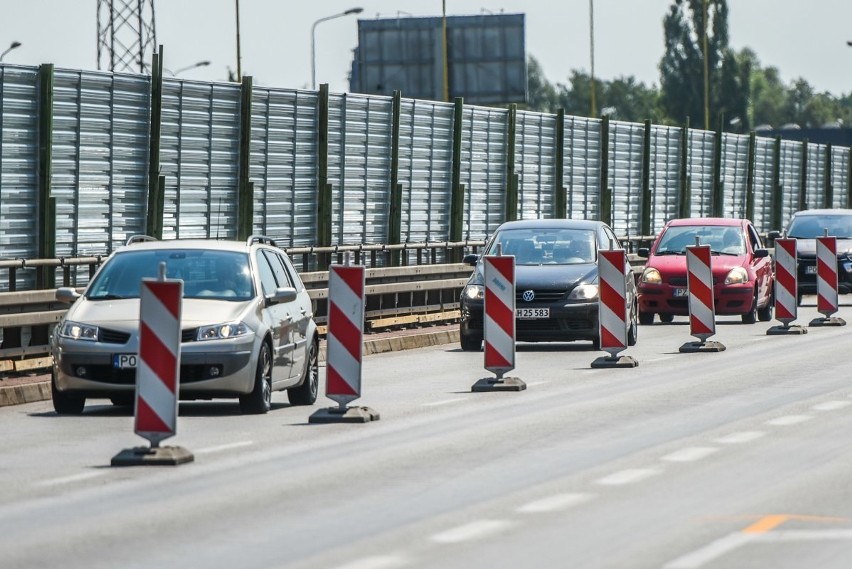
(291, 272)
(754, 238)
(267, 277)
(611, 239)
(281, 275)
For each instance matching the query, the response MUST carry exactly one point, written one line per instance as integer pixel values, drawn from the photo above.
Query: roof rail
(139, 239)
(262, 239)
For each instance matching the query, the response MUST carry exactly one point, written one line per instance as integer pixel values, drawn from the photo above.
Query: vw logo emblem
(528, 296)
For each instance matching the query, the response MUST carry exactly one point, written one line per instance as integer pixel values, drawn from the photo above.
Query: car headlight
(652, 276)
(737, 275)
(584, 292)
(78, 331)
(222, 331)
(474, 292)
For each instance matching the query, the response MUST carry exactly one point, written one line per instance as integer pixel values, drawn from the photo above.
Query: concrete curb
(40, 391)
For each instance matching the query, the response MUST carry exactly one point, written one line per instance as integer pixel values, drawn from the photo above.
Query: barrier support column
(786, 288)
(827, 300)
(613, 321)
(702, 310)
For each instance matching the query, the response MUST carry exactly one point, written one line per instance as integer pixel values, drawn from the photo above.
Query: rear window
(813, 226)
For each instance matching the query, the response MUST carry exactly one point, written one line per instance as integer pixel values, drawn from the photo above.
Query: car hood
(124, 314)
(548, 277)
(807, 247)
(675, 265)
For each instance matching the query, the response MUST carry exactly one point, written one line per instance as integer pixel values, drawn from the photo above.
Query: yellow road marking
(768, 523)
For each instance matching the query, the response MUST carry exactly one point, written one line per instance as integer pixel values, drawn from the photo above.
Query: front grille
(109, 374)
(542, 325)
(188, 335)
(112, 336)
(540, 296)
(681, 281)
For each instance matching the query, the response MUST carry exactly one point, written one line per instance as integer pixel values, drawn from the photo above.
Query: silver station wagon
(247, 326)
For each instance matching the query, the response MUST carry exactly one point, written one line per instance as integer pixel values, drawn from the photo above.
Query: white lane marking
(70, 479)
(628, 476)
(537, 383)
(789, 420)
(443, 402)
(831, 405)
(473, 530)
(659, 359)
(806, 535)
(712, 551)
(740, 437)
(221, 448)
(690, 454)
(554, 503)
(376, 562)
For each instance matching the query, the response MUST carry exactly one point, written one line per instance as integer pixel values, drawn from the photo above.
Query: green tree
(541, 94)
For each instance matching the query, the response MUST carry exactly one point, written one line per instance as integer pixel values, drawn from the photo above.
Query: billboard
(486, 58)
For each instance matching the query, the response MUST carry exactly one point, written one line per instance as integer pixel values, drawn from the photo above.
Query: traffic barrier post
(157, 374)
(702, 310)
(826, 260)
(613, 309)
(786, 289)
(345, 346)
(499, 324)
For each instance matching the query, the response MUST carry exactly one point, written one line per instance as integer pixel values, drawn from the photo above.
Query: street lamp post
(348, 12)
(204, 63)
(15, 45)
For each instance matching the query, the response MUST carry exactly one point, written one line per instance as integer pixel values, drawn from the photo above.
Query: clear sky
(802, 38)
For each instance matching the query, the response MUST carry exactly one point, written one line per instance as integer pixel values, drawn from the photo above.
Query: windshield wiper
(712, 252)
(669, 253)
(108, 297)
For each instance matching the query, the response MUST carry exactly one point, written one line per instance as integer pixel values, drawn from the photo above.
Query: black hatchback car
(806, 226)
(556, 282)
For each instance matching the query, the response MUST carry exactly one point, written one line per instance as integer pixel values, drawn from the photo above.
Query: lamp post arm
(314, 42)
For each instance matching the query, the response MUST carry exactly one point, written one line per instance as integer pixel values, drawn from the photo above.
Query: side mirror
(470, 259)
(67, 294)
(773, 235)
(761, 253)
(281, 295)
(643, 252)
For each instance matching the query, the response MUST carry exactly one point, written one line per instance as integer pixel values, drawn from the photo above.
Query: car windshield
(546, 246)
(205, 273)
(725, 240)
(813, 226)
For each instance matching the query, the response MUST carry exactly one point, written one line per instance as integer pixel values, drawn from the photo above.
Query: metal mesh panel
(815, 179)
(734, 173)
(625, 176)
(764, 165)
(791, 177)
(665, 175)
(840, 177)
(582, 167)
(425, 169)
(700, 171)
(100, 160)
(359, 153)
(535, 149)
(199, 154)
(483, 170)
(284, 165)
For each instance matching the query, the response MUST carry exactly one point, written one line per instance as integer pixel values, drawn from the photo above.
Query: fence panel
(700, 171)
(734, 173)
(791, 177)
(815, 178)
(665, 175)
(764, 166)
(582, 167)
(626, 142)
(840, 176)
(483, 170)
(535, 159)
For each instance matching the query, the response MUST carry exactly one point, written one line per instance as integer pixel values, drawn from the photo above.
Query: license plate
(680, 292)
(529, 313)
(124, 361)
(810, 269)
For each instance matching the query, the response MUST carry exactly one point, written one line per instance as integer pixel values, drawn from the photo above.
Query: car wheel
(646, 318)
(596, 343)
(306, 392)
(259, 401)
(470, 343)
(65, 403)
(122, 400)
(667, 318)
(765, 314)
(633, 331)
(750, 317)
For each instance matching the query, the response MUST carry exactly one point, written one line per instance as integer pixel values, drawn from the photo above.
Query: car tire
(470, 343)
(667, 318)
(122, 400)
(596, 343)
(307, 391)
(765, 314)
(750, 317)
(65, 403)
(633, 330)
(259, 401)
(646, 318)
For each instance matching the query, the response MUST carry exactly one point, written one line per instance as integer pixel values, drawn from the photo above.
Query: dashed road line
(443, 402)
(739, 438)
(831, 405)
(628, 476)
(708, 553)
(376, 562)
(690, 454)
(70, 479)
(789, 420)
(554, 503)
(222, 448)
(664, 358)
(471, 531)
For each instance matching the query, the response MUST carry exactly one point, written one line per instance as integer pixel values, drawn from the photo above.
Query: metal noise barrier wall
(96, 161)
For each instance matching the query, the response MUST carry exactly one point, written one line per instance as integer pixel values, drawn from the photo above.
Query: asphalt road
(736, 459)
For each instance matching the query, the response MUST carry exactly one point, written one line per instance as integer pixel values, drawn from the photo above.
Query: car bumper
(727, 299)
(566, 323)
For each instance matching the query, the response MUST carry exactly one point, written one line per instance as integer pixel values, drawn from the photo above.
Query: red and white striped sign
(786, 281)
(499, 275)
(702, 312)
(826, 257)
(345, 332)
(158, 367)
(612, 308)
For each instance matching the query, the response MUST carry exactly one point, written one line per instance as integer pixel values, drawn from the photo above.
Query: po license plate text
(124, 361)
(680, 292)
